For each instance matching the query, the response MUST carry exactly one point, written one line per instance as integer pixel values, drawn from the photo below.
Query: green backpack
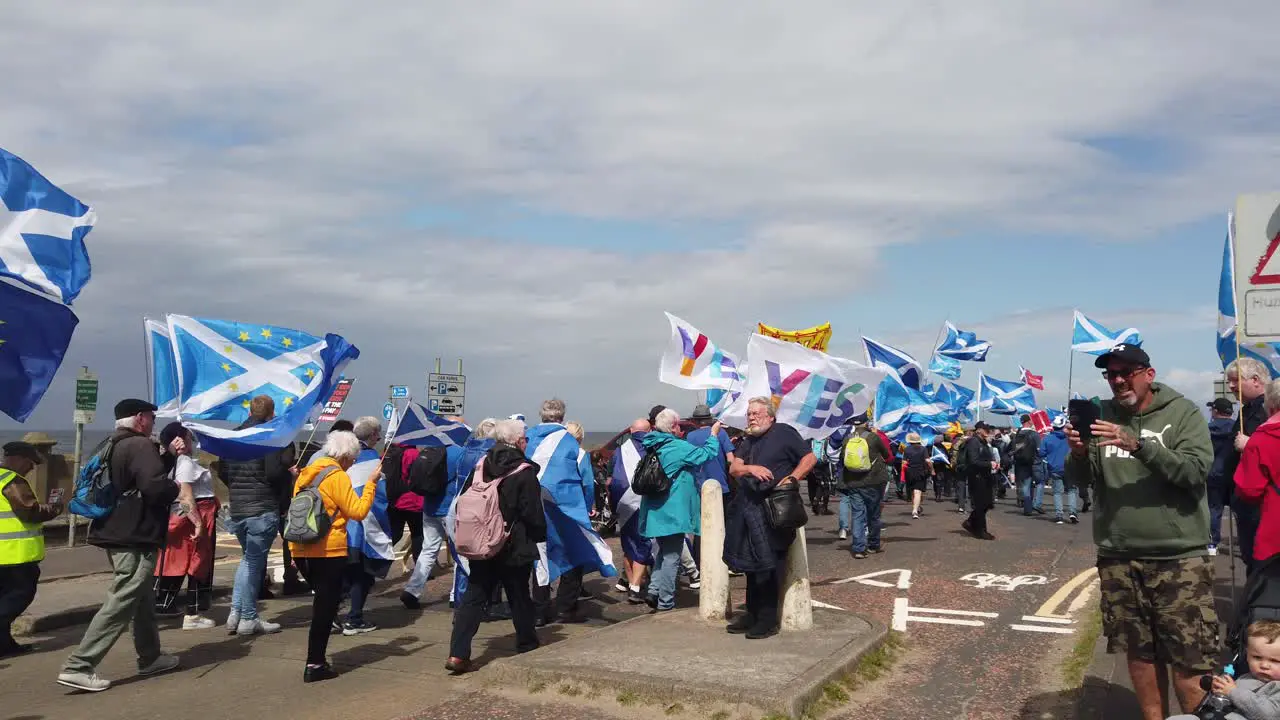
(307, 522)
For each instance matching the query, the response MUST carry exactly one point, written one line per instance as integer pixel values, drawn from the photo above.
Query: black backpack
(962, 458)
(650, 478)
(1024, 448)
(429, 473)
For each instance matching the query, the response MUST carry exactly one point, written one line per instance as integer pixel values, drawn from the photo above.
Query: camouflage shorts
(1161, 611)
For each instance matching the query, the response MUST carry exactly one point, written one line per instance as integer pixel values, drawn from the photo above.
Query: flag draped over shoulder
(34, 335)
(571, 541)
(812, 391)
(42, 232)
(962, 345)
(691, 361)
(1093, 338)
(370, 538)
(625, 503)
(882, 355)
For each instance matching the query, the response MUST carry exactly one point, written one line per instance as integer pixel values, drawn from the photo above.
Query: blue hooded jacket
(1221, 436)
(1054, 449)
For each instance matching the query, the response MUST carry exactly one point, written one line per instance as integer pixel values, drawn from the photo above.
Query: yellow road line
(1050, 606)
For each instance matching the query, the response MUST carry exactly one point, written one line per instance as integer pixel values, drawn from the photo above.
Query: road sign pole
(75, 473)
(86, 404)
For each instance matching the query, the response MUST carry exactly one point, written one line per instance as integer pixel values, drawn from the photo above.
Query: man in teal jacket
(1148, 458)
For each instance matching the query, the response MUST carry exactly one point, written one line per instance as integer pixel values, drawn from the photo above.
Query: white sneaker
(233, 622)
(620, 587)
(844, 534)
(164, 663)
(257, 627)
(195, 622)
(88, 682)
(695, 584)
(1213, 549)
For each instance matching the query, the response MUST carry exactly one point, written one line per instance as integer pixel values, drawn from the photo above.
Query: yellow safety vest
(20, 542)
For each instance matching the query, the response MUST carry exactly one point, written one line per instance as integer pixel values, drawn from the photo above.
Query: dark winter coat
(140, 520)
(520, 500)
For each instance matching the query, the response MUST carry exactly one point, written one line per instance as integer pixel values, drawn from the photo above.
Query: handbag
(784, 508)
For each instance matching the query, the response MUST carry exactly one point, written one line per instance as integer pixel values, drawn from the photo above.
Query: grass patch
(720, 715)
(674, 709)
(626, 698)
(776, 716)
(1074, 667)
(537, 686)
(873, 665)
(834, 693)
(570, 690)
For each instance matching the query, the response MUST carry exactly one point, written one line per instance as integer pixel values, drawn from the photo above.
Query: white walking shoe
(88, 682)
(195, 622)
(233, 622)
(257, 627)
(844, 534)
(164, 663)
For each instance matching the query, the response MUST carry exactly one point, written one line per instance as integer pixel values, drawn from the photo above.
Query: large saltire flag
(901, 365)
(962, 345)
(814, 338)
(812, 391)
(945, 367)
(1005, 397)
(1266, 353)
(42, 231)
(571, 541)
(162, 373)
(1093, 338)
(693, 362)
(35, 332)
(900, 409)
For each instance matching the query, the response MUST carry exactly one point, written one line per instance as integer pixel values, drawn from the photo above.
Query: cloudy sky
(528, 186)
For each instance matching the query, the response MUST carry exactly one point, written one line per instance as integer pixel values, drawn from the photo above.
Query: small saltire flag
(693, 362)
(162, 374)
(1035, 381)
(905, 367)
(1005, 397)
(939, 456)
(958, 397)
(419, 427)
(34, 334)
(1092, 338)
(42, 231)
(944, 366)
(963, 345)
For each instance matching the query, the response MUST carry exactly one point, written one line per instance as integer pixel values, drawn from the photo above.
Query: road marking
(1055, 620)
(1003, 582)
(904, 613)
(816, 603)
(1043, 629)
(1050, 606)
(904, 579)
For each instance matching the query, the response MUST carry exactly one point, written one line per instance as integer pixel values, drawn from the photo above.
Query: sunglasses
(1123, 374)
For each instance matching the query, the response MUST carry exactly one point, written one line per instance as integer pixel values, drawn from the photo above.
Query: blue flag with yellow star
(34, 334)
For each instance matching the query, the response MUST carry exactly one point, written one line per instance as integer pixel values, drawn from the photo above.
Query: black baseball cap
(22, 449)
(1124, 352)
(1222, 405)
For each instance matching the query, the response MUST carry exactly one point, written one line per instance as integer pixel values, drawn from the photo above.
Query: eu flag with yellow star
(34, 334)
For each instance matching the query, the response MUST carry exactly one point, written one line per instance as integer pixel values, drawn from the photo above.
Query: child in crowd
(1255, 695)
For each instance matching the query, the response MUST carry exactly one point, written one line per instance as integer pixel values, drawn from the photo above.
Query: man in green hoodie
(1147, 459)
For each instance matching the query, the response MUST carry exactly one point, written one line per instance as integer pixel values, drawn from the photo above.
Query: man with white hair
(132, 535)
(1247, 377)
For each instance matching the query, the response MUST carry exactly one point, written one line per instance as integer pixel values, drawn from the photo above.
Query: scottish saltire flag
(905, 367)
(958, 397)
(221, 365)
(693, 362)
(812, 391)
(571, 541)
(419, 427)
(946, 367)
(1005, 397)
(370, 538)
(162, 373)
(625, 503)
(42, 231)
(900, 409)
(1034, 381)
(35, 332)
(939, 456)
(962, 345)
(1092, 338)
(1266, 353)
(1054, 414)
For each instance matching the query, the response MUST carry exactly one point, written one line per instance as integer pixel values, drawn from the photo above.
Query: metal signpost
(86, 406)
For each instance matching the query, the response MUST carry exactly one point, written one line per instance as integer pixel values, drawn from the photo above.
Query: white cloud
(255, 162)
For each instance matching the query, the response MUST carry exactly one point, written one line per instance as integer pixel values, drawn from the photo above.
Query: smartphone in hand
(55, 496)
(1082, 414)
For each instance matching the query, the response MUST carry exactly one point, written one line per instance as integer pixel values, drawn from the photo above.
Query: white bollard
(797, 604)
(713, 598)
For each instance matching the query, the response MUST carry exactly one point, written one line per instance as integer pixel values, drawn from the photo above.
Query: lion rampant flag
(814, 338)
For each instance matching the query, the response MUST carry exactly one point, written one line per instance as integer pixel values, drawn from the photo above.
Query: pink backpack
(479, 530)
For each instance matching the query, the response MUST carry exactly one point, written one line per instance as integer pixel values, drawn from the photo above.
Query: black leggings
(325, 576)
(399, 518)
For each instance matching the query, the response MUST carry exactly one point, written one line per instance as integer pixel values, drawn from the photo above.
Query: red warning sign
(1263, 275)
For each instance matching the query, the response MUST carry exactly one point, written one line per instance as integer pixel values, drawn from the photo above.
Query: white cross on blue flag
(42, 231)
(422, 428)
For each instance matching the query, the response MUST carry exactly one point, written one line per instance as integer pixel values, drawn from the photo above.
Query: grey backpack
(307, 521)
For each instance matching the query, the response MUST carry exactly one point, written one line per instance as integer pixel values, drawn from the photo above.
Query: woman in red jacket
(1259, 471)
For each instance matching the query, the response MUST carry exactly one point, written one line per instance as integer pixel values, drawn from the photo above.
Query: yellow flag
(815, 338)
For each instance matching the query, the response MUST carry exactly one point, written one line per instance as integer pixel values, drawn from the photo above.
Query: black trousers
(325, 577)
(399, 518)
(1248, 518)
(486, 577)
(566, 602)
(982, 498)
(18, 585)
(764, 591)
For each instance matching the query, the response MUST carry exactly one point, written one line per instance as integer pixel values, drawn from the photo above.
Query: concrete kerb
(56, 620)
(792, 698)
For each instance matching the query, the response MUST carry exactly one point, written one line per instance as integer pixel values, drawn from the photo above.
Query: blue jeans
(357, 583)
(1058, 490)
(845, 510)
(662, 584)
(1031, 486)
(864, 505)
(432, 541)
(255, 534)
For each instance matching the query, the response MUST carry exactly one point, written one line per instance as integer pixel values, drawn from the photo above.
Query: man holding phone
(1148, 454)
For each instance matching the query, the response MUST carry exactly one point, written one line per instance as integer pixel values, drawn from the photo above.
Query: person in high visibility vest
(21, 540)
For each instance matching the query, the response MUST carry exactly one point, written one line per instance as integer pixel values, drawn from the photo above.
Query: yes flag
(42, 231)
(812, 391)
(693, 362)
(420, 427)
(34, 334)
(944, 366)
(963, 345)
(1035, 381)
(162, 374)
(904, 367)
(1092, 338)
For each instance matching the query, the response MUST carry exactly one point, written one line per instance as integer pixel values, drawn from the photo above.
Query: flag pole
(928, 373)
(147, 360)
(1071, 368)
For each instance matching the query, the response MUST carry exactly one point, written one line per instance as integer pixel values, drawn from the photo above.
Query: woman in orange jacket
(322, 561)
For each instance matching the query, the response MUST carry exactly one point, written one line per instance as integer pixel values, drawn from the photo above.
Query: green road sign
(86, 394)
